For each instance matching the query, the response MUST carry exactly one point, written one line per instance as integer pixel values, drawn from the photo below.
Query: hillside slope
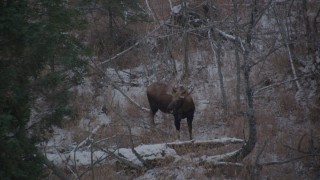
(286, 105)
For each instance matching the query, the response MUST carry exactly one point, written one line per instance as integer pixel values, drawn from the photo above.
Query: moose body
(176, 101)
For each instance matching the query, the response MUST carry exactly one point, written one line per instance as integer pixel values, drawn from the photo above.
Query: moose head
(178, 96)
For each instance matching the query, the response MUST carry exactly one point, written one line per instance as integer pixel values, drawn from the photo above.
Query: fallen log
(152, 154)
(155, 152)
(204, 143)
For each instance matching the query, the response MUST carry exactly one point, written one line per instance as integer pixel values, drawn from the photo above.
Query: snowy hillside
(111, 135)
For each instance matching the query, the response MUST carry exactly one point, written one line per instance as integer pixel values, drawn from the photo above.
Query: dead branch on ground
(204, 144)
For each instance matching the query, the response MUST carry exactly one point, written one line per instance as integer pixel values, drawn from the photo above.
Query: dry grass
(315, 114)
(102, 173)
(287, 102)
(280, 63)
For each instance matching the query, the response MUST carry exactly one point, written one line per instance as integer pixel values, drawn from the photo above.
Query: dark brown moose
(176, 101)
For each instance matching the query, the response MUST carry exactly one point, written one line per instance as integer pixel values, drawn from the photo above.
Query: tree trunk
(251, 142)
(110, 24)
(186, 40)
(186, 57)
(217, 51)
(236, 53)
(250, 109)
(285, 36)
(219, 63)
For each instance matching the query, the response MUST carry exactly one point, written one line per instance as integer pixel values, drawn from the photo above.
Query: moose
(172, 100)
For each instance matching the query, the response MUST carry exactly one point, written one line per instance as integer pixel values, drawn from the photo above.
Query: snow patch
(79, 158)
(60, 141)
(85, 157)
(147, 152)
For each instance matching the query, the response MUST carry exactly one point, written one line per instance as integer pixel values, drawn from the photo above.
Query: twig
(131, 47)
(107, 79)
(53, 167)
(260, 153)
(153, 14)
(93, 132)
(207, 144)
(121, 53)
(300, 142)
(123, 160)
(273, 85)
(285, 37)
(94, 163)
(131, 140)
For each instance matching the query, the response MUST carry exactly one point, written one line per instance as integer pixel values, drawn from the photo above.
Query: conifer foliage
(40, 55)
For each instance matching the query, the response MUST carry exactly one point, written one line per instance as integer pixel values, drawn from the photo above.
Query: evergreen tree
(39, 54)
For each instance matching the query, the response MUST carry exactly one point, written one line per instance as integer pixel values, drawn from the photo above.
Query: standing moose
(176, 101)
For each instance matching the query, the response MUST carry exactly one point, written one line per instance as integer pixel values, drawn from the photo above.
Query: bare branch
(53, 167)
(108, 80)
(121, 53)
(123, 160)
(300, 142)
(285, 37)
(231, 37)
(260, 153)
(154, 16)
(205, 144)
(273, 85)
(130, 138)
(89, 138)
(131, 47)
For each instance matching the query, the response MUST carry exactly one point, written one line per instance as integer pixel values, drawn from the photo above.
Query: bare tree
(285, 36)
(216, 48)
(185, 39)
(255, 17)
(236, 51)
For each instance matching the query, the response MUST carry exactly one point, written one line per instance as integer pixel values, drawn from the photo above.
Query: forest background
(74, 76)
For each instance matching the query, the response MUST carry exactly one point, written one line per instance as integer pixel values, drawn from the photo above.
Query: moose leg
(177, 124)
(152, 114)
(152, 118)
(189, 120)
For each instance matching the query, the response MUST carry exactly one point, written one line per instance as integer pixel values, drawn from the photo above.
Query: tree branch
(108, 80)
(273, 85)
(123, 160)
(130, 48)
(130, 138)
(204, 144)
(53, 167)
(285, 37)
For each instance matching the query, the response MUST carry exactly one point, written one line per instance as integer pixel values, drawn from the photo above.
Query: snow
(203, 104)
(61, 140)
(217, 158)
(176, 9)
(82, 156)
(147, 152)
(63, 151)
(79, 158)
